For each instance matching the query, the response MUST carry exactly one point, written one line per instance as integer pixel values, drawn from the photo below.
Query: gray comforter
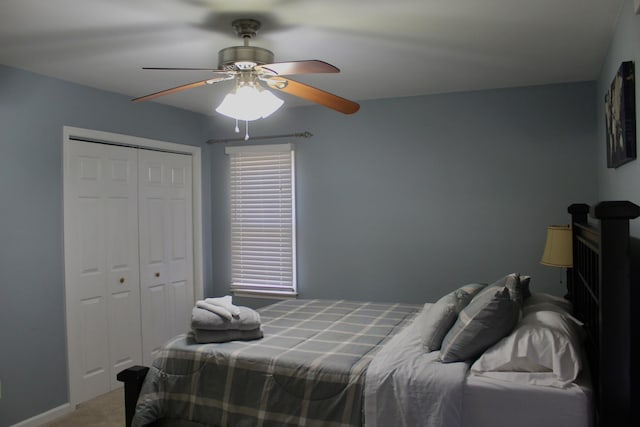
(407, 387)
(309, 369)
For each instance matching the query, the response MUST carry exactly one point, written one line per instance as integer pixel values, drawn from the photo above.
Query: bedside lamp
(558, 251)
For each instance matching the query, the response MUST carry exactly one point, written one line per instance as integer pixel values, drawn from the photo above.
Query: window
(262, 202)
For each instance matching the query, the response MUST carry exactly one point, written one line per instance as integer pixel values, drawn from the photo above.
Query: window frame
(253, 153)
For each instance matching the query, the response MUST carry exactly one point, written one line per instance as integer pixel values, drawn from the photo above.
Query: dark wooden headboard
(600, 288)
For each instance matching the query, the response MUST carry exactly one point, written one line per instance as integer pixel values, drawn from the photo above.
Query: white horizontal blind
(262, 219)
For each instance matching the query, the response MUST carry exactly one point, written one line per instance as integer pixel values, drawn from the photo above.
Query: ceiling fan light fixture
(249, 102)
(250, 64)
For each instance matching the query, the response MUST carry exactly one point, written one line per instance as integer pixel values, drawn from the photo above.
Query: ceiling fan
(250, 65)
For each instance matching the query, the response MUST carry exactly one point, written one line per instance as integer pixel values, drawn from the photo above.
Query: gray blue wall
(33, 110)
(624, 182)
(411, 197)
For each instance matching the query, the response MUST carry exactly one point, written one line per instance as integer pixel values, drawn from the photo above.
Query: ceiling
(384, 48)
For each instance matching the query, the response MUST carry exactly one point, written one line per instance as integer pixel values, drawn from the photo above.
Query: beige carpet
(103, 411)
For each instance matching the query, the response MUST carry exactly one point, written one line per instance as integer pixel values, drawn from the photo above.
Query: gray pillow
(436, 319)
(518, 286)
(490, 316)
(473, 288)
(512, 283)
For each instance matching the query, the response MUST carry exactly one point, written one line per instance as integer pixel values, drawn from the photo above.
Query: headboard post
(579, 214)
(616, 328)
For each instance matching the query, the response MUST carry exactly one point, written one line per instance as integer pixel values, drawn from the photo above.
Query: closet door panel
(182, 302)
(95, 349)
(156, 320)
(165, 240)
(122, 246)
(178, 256)
(153, 250)
(124, 321)
(153, 224)
(91, 256)
(181, 250)
(88, 269)
(101, 255)
(121, 207)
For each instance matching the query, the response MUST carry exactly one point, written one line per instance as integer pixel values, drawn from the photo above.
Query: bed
(348, 363)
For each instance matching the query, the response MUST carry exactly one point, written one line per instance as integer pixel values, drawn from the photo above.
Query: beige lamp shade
(558, 252)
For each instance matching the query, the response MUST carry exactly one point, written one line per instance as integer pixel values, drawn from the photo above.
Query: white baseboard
(45, 417)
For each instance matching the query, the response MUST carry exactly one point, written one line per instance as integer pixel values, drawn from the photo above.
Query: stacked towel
(205, 319)
(218, 320)
(203, 336)
(221, 306)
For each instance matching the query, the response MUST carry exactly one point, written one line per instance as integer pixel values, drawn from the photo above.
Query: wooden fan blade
(313, 94)
(299, 67)
(179, 88)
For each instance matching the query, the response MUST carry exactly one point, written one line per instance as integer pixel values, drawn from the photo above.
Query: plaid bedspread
(309, 369)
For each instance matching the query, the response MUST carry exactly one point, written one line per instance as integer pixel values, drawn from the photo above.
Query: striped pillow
(436, 319)
(490, 316)
(473, 288)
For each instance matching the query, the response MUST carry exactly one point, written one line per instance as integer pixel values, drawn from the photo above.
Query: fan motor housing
(243, 57)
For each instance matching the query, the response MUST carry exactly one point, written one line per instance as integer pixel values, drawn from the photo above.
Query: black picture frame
(620, 117)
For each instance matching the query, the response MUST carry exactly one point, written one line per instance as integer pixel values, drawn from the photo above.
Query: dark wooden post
(579, 213)
(617, 331)
(132, 378)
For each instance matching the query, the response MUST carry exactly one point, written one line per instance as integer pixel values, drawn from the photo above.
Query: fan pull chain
(246, 129)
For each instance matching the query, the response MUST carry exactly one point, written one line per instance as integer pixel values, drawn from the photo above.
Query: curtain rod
(305, 134)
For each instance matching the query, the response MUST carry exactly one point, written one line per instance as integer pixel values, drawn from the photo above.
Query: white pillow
(547, 306)
(541, 297)
(544, 349)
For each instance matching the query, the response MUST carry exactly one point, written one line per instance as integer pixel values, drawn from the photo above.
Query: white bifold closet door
(128, 258)
(166, 247)
(102, 263)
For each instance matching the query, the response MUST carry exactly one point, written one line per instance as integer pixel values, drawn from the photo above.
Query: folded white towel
(217, 309)
(204, 319)
(226, 303)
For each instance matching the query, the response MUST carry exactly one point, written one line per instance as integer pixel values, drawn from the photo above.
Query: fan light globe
(248, 103)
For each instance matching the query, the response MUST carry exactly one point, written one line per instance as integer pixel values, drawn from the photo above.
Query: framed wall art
(620, 117)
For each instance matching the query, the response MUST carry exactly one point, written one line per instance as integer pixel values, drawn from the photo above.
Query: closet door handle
(157, 274)
(121, 280)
